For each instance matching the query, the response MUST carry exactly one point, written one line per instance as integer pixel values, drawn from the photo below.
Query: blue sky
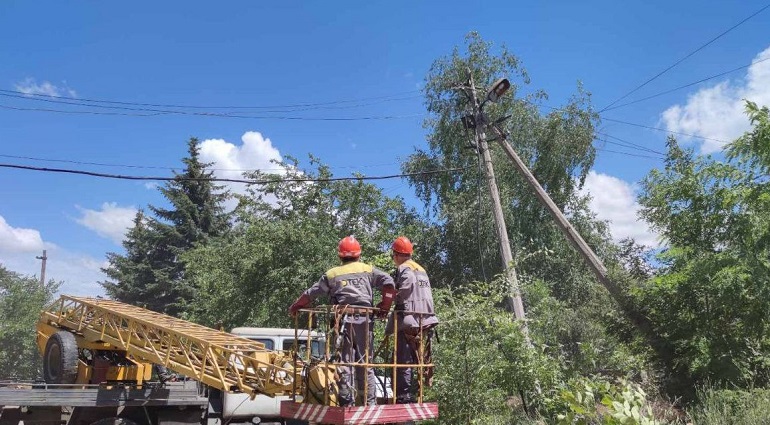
(287, 53)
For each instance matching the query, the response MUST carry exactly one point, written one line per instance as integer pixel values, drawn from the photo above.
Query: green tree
(568, 311)
(286, 236)
(711, 298)
(557, 147)
(150, 273)
(21, 301)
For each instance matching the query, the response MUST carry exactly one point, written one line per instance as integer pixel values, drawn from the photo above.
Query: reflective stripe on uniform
(350, 268)
(413, 265)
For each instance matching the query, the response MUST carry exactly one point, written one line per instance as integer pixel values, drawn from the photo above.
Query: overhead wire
(703, 46)
(179, 106)
(152, 113)
(227, 180)
(702, 80)
(79, 102)
(479, 203)
(627, 144)
(155, 112)
(659, 158)
(662, 129)
(103, 164)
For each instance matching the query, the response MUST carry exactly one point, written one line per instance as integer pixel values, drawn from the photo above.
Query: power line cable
(627, 153)
(686, 57)
(103, 164)
(74, 102)
(686, 85)
(662, 129)
(162, 105)
(218, 115)
(634, 124)
(227, 180)
(79, 102)
(628, 144)
(616, 144)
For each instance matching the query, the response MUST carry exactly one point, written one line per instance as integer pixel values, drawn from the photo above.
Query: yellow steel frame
(324, 372)
(218, 359)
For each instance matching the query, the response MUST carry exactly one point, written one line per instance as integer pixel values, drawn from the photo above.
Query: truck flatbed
(151, 394)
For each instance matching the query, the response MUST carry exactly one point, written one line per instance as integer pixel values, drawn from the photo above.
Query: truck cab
(238, 405)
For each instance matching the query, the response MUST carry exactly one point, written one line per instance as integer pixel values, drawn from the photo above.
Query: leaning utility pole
(514, 299)
(42, 269)
(478, 121)
(594, 262)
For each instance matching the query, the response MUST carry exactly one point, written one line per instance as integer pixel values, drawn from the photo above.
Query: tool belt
(422, 339)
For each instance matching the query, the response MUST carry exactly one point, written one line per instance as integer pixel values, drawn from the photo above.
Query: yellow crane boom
(218, 359)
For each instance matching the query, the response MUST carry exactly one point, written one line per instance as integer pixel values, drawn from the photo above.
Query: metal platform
(380, 414)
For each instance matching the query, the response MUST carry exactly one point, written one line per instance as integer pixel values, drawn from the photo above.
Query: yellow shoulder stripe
(414, 266)
(350, 268)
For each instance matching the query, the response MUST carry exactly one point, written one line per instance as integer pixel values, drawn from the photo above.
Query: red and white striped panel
(384, 413)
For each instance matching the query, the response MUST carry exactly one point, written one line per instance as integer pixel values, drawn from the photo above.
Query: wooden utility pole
(479, 120)
(42, 269)
(514, 299)
(594, 262)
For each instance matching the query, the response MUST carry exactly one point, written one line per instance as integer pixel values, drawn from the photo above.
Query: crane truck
(99, 356)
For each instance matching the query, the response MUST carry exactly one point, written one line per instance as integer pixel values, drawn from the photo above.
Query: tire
(60, 359)
(114, 421)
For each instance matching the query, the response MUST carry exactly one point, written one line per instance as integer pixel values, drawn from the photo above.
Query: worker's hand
(382, 311)
(301, 302)
(388, 293)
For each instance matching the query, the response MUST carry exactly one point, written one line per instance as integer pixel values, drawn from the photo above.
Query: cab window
(316, 347)
(269, 343)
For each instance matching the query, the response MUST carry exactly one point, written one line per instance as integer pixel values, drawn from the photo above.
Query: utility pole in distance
(477, 123)
(42, 269)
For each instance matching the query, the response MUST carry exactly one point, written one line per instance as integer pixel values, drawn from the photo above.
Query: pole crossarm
(218, 359)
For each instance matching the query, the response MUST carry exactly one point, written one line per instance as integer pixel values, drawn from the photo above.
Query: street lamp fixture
(498, 89)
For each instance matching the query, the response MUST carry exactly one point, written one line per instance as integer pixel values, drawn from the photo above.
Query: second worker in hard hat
(415, 316)
(351, 284)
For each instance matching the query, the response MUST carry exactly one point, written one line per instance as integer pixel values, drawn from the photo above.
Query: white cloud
(717, 112)
(17, 240)
(110, 222)
(230, 160)
(151, 185)
(79, 272)
(31, 86)
(614, 200)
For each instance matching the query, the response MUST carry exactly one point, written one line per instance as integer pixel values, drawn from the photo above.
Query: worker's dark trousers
(356, 338)
(407, 353)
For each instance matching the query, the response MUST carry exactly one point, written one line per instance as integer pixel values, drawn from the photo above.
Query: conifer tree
(150, 273)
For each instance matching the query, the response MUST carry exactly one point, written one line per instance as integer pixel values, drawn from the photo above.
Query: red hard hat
(349, 247)
(402, 245)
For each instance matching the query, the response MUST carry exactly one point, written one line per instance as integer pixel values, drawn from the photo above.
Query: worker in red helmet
(416, 319)
(351, 284)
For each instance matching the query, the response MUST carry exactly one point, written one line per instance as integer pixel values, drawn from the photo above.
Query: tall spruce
(150, 274)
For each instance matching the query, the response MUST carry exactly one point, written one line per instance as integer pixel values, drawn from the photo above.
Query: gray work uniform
(414, 311)
(351, 284)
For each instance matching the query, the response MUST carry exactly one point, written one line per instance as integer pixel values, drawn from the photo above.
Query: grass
(732, 407)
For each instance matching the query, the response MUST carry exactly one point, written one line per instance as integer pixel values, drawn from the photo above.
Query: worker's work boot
(345, 395)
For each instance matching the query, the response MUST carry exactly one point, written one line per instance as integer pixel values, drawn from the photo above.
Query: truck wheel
(60, 359)
(114, 421)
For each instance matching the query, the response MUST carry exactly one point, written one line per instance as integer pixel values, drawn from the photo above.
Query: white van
(268, 409)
